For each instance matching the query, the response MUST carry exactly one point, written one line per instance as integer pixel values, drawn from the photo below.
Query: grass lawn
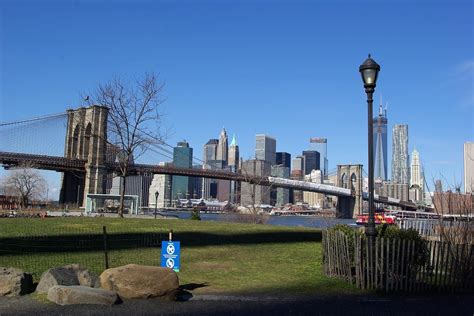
(216, 257)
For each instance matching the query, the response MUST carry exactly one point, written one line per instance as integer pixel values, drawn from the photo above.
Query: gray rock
(72, 295)
(72, 274)
(15, 282)
(137, 281)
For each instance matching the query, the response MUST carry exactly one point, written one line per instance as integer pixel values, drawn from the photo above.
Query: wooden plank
(382, 264)
(403, 267)
(387, 268)
(445, 265)
(398, 265)
(439, 259)
(453, 267)
(376, 262)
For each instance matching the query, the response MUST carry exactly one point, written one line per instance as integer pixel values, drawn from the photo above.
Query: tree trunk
(122, 197)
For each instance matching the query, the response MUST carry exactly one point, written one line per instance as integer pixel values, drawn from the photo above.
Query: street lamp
(369, 71)
(156, 201)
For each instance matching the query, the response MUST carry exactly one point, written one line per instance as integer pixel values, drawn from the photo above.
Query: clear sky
(285, 68)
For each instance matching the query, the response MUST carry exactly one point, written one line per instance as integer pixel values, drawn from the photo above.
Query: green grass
(216, 257)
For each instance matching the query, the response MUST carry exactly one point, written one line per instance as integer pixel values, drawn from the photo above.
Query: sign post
(170, 253)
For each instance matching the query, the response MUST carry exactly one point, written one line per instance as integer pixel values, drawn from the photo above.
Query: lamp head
(369, 71)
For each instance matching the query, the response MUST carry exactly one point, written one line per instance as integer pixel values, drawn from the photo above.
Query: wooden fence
(399, 265)
(427, 228)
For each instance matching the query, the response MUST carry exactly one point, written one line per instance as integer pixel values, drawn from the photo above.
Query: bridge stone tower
(86, 138)
(350, 177)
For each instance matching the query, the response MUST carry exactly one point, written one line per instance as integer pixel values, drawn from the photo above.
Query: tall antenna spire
(386, 108)
(380, 107)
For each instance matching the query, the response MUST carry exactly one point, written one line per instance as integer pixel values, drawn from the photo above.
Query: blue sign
(170, 255)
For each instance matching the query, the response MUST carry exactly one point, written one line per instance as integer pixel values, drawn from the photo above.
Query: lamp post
(156, 201)
(369, 71)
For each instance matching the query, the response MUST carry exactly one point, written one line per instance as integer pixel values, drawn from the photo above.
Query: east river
(302, 221)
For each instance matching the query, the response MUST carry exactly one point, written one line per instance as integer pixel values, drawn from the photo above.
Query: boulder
(77, 294)
(137, 281)
(72, 274)
(14, 282)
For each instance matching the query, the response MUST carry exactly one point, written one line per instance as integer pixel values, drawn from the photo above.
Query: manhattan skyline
(288, 70)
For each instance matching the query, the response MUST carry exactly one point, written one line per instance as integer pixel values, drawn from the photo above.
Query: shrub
(195, 216)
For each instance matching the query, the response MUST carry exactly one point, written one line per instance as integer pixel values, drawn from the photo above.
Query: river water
(301, 221)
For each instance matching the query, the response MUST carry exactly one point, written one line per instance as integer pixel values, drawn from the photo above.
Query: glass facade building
(400, 170)
(182, 157)
(321, 145)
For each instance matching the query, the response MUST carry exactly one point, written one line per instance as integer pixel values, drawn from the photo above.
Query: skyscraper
(210, 150)
(380, 144)
(209, 159)
(182, 157)
(265, 148)
(416, 179)
(321, 145)
(233, 157)
(233, 161)
(252, 194)
(469, 167)
(283, 158)
(311, 161)
(400, 171)
(281, 195)
(222, 148)
(297, 173)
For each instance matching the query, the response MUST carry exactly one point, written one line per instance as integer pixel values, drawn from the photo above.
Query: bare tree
(25, 183)
(133, 122)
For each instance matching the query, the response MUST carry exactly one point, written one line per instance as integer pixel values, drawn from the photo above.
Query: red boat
(380, 218)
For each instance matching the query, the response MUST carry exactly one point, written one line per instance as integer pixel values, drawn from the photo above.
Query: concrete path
(257, 305)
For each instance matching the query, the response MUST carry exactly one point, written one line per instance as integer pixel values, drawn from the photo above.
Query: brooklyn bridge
(85, 163)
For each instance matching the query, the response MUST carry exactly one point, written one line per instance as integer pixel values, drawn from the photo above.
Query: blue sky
(287, 69)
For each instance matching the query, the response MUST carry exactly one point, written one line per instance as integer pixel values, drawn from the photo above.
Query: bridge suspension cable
(39, 118)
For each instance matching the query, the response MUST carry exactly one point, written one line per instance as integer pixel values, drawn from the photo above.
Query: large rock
(137, 281)
(14, 282)
(72, 274)
(76, 294)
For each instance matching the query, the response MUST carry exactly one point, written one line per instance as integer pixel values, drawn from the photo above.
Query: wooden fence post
(106, 257)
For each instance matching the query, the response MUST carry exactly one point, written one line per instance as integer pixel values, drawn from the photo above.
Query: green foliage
(195, 216)
(351, 233)
(393, 232)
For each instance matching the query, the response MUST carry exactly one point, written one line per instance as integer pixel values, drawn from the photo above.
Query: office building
(283, 158)
(136, 185)
(416, 178)
(311, 161)
(400, 169)
(314, 199)
(438, 186)
(222, 148)
(233, 156)
(297, 173)
(280, 196)
(254, 194)
(234, 165)
(182, 157)
(210, 150)
(468, 167)
(265, 148)
(321, 145)
(209, 186)
(380, 144)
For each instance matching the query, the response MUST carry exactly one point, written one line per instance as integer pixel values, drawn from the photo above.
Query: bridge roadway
(62, 164)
